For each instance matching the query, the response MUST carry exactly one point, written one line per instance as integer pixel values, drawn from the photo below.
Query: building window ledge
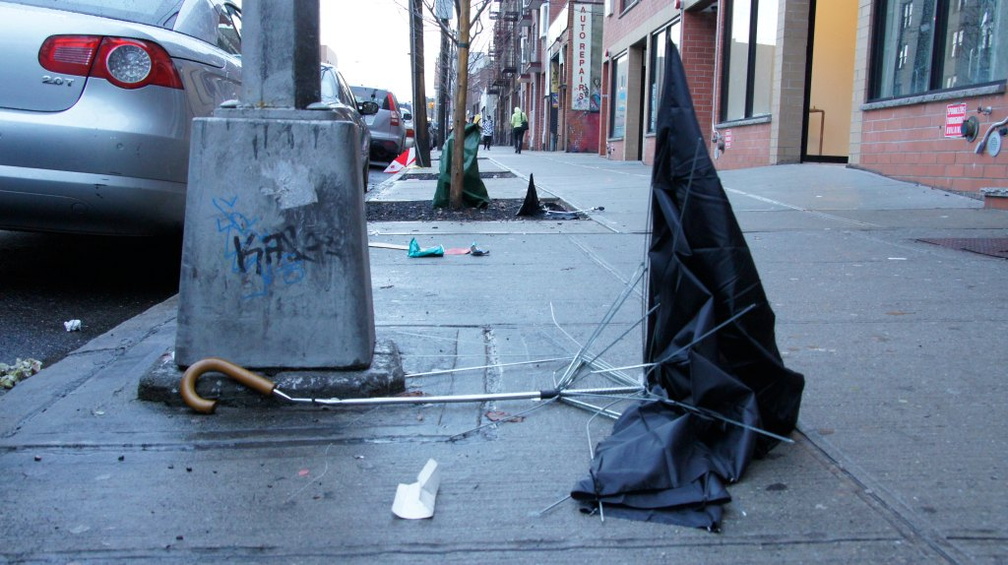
(984, 90)
(627, 7)
(764, 119)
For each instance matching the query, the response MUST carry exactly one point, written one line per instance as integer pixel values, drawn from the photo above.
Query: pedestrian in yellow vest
(519, 125)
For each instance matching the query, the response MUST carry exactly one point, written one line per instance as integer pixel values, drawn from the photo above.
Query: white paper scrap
(72, 325)
(416, 500)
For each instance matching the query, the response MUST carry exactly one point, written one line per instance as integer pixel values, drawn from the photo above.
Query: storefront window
(657, 76)
(766, 49)
(617, 119)
(658, 70)
(750, 46)
(926, 45)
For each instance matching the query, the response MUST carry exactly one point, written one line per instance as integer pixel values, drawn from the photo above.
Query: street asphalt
(900, 455)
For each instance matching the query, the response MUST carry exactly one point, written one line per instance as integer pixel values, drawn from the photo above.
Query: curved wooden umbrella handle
(187, 388)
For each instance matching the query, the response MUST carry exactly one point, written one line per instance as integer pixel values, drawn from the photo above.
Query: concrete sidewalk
(900, 455)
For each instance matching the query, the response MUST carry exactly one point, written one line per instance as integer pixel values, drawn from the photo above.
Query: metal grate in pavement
(992, 246)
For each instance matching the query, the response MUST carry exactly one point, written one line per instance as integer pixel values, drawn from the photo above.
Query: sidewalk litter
(416, 501)
(405, 160)
(416, 251)
(11, 375)
(439, 250)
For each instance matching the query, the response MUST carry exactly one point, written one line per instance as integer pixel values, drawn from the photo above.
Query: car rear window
(150, 12)
(365, 93)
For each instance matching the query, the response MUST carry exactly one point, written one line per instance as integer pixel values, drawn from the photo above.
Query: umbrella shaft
(456, 398)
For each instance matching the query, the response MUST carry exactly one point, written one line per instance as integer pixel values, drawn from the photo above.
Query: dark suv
(388, 130)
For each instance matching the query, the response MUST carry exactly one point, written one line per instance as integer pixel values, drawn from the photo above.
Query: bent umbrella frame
(581, 364)
(709, 342)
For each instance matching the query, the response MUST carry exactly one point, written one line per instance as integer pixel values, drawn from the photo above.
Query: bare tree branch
(479, 12)
(476, 21)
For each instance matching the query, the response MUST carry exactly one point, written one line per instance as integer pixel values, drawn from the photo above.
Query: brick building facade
(879, 84)
(547, 57)
(902, 132)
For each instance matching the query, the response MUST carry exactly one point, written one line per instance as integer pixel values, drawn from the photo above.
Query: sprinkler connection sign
(955, 114)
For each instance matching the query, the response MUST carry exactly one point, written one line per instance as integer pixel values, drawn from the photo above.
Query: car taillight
(126, 63)
(394, 117)
(69, 54)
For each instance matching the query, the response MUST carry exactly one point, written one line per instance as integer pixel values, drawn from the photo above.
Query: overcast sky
(371, 40)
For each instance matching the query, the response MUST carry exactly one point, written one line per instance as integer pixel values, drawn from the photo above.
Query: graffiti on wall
(582, 132)
(266, 258)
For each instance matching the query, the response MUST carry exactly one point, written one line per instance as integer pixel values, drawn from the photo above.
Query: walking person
(519, 123)
(486, 130)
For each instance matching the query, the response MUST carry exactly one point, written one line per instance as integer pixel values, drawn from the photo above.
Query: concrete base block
(385, 377)
(275, 266)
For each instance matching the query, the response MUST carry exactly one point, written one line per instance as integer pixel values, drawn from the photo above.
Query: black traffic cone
(531, 206)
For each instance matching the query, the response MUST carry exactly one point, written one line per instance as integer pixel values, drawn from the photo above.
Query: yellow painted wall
(832, 76)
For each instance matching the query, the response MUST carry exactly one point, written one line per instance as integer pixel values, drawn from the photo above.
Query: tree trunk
(461, 88)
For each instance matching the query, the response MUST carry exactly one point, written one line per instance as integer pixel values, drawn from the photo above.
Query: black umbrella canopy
(717, 373)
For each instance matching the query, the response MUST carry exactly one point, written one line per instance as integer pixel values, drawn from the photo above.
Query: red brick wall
(750, 144)
(537, 116)
(617, 147)
(618, 26)
(909, 143)
(555, 8)
(750, 147)
(582, 128)
(582, 131)
(698, 51)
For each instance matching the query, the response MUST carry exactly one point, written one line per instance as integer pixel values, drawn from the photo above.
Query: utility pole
(461, 89)
(443, 12)
(444, 66)
(264, 282)
(419, 87)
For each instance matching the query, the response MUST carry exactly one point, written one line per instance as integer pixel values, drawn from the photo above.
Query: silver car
(340, 98)
(407, 116)
(96, 108)
(388, 130)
